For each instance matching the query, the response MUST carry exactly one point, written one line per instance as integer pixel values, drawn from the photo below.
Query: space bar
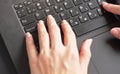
(90, 26)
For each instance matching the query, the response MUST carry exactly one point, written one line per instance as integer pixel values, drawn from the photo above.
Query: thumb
(115, 32)
(85, 54)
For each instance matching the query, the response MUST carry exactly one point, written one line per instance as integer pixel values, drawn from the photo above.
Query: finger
(85, 54)
(43, 37)
(69, 36)
(54, 32)
(31, 51)
(115, 32)
(111, 8)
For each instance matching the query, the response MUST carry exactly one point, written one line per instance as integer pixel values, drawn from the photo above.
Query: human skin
(57, 57)
(115, 9)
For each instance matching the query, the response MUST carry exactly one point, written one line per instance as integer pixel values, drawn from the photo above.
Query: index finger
(31, 51)
(111, 8)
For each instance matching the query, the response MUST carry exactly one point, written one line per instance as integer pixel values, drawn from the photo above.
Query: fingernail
(115, 32)
(64, 21)
(87, 44)
(50, 16)
(90, 40)
(28, 35)
(41, 21)
(104, 3)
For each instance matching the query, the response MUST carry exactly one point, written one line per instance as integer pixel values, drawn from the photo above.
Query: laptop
(86, 17)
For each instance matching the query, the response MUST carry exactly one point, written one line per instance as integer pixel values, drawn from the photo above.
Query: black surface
(106, 54)
(15, 42)
(6, 65)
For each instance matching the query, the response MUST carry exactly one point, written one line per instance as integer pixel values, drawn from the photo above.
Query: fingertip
(40, 22)
(51, 20)
(28, 35)
(64, 22)
(85, 50)
(29, 38)
(66, 25)
(89, 41)
(50, 17)
(115, 32)
(87, 44)
(104, 4)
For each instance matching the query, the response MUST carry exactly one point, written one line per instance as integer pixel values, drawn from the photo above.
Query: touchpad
(106, 54)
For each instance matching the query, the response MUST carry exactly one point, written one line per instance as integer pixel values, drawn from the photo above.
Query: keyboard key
(100, 12)
(31, 9)
(57, 18)
(92, 4)
(40, 15)
(31, 27)
(21, 13)
(27, 20)
(59, 8)
(40, 5)
(49, 2)
(74, 11)
(35, 36)
(86, 0)
(65, 15)
(93, 14)
(50, 11)
(77, 2)
(18, 6)
(74, 21)
(58, 1)
(27, 2)
(90, 26)
(83, 8)
(83, 18)
(68, 4)
(35, 0)
(79, 13)
(100, 1)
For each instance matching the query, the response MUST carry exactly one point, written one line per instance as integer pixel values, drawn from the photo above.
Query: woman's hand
(56, 57)
(115, 9)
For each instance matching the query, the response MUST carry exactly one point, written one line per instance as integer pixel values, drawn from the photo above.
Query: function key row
(68, 3)
(29, 2)
(56, 9)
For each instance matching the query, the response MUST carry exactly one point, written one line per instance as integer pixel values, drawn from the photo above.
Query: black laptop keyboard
(83, 15)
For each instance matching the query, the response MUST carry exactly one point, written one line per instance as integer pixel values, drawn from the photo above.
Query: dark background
(6, 65)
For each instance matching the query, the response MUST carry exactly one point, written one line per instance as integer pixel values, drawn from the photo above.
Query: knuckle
(43, 53)
(43, 33)
(70, 32)
(55, 28)
(73, 55)
(34, 62)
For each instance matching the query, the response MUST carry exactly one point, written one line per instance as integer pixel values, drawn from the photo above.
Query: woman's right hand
(115, 9)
